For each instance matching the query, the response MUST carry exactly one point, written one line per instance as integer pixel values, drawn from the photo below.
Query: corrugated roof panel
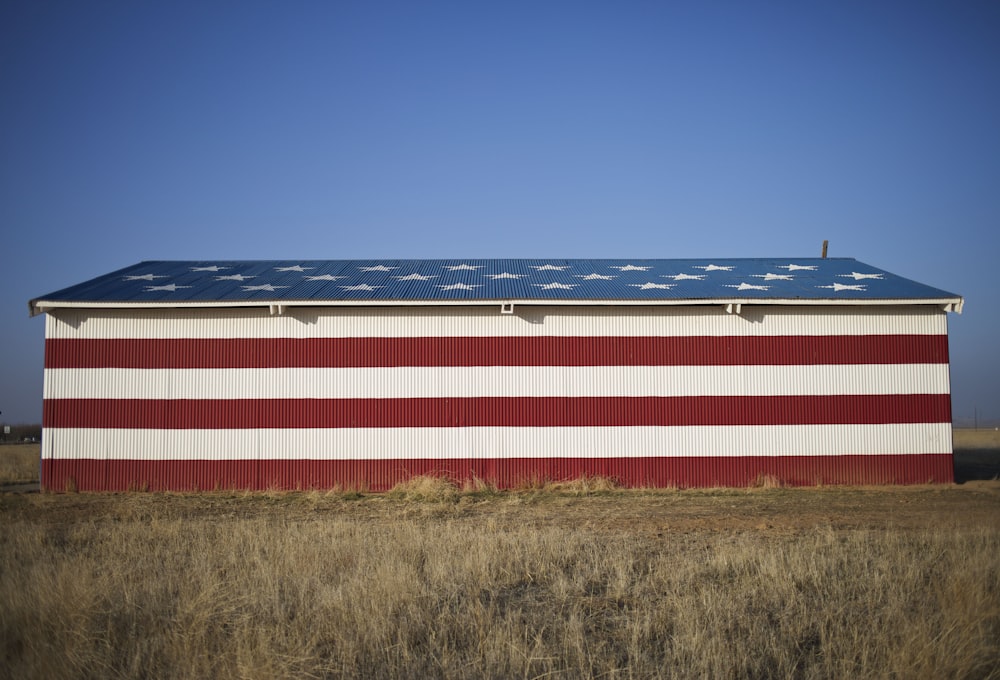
(386, 281)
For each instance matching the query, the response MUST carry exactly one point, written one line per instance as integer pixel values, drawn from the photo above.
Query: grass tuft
(433, 488)
(584, 486)
(765, 481)
(479, 487)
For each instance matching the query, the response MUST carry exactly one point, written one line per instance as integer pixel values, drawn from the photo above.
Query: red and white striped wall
(354, 397)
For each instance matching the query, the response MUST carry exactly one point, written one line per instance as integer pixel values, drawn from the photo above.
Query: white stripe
(316, 322)
(497, 442)
(493, 381)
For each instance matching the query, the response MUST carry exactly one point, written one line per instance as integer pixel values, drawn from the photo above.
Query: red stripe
(496, 411)
(379, 475)
(496, 351)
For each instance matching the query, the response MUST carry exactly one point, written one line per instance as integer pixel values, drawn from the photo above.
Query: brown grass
(425, 488)
(443, 489)
(583, 486)
(826, 583)
(19, 463)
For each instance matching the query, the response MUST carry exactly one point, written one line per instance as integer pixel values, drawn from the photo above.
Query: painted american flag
(184, 375)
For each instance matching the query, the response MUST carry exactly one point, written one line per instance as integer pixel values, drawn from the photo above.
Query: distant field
(977, 454)
(19, 463)
(977, 439)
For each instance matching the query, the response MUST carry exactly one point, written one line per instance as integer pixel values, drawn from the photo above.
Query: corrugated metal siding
(480, 412)
(498, 381)
(160, 441)
(442, 443)
(380, 475)
(272, 353)
(387, 322)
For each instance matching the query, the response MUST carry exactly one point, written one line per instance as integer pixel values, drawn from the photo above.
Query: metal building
(316, 374)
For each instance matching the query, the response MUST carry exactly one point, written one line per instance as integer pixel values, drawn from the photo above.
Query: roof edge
(949, 304)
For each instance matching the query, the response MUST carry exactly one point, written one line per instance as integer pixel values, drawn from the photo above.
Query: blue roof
(241, 282)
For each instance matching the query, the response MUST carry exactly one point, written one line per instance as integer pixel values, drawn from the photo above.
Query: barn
(183, 375)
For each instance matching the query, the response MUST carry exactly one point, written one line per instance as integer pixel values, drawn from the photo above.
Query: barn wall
(172, 399)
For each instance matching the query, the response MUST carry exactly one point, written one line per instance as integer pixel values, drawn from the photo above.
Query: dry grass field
(573, 580)
(19, 463)
(576, 581)
(969, 439)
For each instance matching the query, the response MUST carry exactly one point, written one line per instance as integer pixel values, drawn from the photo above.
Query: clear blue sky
(174, 130)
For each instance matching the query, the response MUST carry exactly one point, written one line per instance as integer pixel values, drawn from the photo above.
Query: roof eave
(950, 304)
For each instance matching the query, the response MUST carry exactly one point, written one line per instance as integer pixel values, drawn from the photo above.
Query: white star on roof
(463, 267)
(593, 277)
(377, 268)
(363, 286)
(649, 285)
(415, 277)
(714, 267)
(458, 286)
(323, 277)
(264, 286)
(550, 286)
(297, 268)
(859, 277)
(170, 288)
(505, 275)
(773, 277)
(747, 286)
(798, 267)
(213, 268)
(841, 286)
(145, 277)
(630, 268)
(549, 267)
(684, 277)
(234, 277)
